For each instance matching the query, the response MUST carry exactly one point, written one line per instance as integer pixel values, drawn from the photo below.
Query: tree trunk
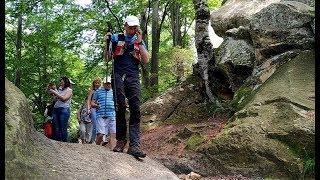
(17, 79)
(204, 47)
(176, 37)
(155, 45)
(145, 68)
(176, 24)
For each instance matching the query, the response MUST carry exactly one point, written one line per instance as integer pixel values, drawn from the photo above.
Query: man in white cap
(128, 51)
(106, 122)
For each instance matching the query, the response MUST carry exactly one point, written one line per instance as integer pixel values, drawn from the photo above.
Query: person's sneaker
(136, 152)
(104, 143)
(120, 146)
(105, 140)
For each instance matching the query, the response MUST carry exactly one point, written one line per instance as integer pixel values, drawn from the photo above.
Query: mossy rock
(30, 155)
(185, 133)
(194, 141)
(271, 136)
(23, 158)
(241, 98)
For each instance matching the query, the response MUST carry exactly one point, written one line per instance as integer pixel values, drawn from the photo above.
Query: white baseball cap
(132, 21)
(107, 79)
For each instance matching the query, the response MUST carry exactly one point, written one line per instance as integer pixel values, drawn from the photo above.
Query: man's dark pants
(127, 86)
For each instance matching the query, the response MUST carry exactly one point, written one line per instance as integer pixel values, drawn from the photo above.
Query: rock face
(258, 36)
(235, 58)
(281, 27)
(30, 155)
(274, 134)
(267, 63)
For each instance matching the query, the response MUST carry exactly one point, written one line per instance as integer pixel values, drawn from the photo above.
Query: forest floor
(158, 142)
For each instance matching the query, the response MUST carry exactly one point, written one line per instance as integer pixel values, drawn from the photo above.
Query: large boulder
(274, 134)
(281, 27)
(235, 13)
(261, 35)
(235, 58)
(30, 155)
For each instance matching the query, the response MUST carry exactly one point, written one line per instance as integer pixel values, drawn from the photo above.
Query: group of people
(103, 114)
(96, 117)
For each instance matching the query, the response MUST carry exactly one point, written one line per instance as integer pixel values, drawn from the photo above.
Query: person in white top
(61, 111)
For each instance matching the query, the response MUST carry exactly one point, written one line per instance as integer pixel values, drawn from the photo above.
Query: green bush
(73, 135)
(309, 167)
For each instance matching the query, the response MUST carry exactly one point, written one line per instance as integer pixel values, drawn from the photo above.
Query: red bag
(48, 129)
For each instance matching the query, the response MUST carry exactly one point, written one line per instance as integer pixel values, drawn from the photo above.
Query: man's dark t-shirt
(126, 64)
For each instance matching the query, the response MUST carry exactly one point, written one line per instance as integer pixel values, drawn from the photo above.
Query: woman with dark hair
(61, 111)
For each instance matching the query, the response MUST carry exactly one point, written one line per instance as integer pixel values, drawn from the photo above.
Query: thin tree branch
(149, 9)
(185, 32)
(164, 14)
(108, 6)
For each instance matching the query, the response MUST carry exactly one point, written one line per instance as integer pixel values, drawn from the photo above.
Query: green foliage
(170, 59)
(241, 97)
(148, 93)
(73, 134)
(61, 38)
(38, 119)
(309, 167)
(214, 4)
(52, 45)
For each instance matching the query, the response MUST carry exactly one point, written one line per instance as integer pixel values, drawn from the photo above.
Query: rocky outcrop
(258, 36)
(266, 63)
(274, 134)
(30, 155)
(281, 27)
(235, 58)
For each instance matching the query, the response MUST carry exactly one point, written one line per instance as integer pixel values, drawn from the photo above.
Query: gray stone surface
(237, 52)
(235, 13)
(274, 132)
(281, 27)
(30, 155)
(271, 29)
(235, 58)
(313, 25)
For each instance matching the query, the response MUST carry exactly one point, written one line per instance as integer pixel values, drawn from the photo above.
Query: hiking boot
(105, 140)
(120, 146)
(136, 152)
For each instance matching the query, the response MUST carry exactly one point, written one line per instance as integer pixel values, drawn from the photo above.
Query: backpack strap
(119, 46)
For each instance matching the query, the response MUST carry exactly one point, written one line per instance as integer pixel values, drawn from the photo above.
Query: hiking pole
(109, 50)
(114, 84)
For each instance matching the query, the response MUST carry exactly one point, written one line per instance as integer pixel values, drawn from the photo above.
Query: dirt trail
(161, 143)
(49, 159)
(161, 140)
